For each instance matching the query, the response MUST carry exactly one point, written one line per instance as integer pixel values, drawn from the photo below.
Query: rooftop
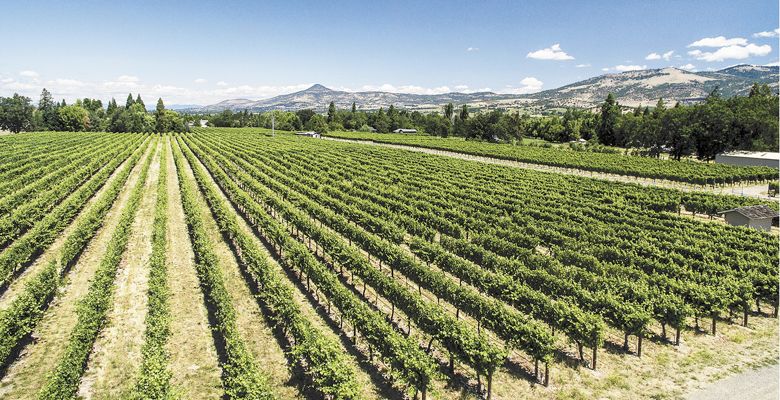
(753, 154)
(754, 212)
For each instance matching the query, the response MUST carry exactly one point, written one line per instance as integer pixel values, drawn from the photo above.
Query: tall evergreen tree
(129, 103)
(331, 112)
(610, 113)
(139, 101)
(354, 108)
(48, 110)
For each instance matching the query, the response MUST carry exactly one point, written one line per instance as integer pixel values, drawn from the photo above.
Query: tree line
(718, 124)
(18, 113)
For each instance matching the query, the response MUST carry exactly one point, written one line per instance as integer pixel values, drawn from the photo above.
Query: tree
(48, 110)
(354, 108)
(161, 125)
(129, 103)
(331, 112)
(74, 118)
(610, 113)
(16, 113)
(304, 116)
(112, 107)
(464, 112)
(449, 111)
(317, 123)
(139, 101)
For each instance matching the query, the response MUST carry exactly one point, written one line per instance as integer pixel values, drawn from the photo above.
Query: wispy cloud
(653, 56)
(688, 67)
(624, 68)
(413, 89)
(29, 74)
(528, 85)
(472, 49)
(582, 65)
(767, 34)
(719, 41)
(733, 52)
(222, 83)
(200, 80)
(553, 52)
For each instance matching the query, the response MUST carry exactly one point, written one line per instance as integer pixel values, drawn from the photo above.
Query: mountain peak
(318, 88)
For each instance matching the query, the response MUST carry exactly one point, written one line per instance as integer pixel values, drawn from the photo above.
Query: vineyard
(679, 171)
(233, 263)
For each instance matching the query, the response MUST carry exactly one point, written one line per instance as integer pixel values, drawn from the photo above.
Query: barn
(758, 217)
(749, 158)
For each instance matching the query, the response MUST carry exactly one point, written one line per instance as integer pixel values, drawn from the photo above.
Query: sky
(204, 52)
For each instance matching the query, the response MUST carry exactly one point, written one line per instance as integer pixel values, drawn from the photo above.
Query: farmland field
(233, 263)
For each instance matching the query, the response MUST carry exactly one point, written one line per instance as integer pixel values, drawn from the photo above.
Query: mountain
(631, 88)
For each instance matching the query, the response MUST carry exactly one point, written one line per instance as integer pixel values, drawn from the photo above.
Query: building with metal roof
(749, 158)
(758, 217)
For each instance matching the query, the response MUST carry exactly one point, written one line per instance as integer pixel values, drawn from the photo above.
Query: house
(758, 217)
(203, 123)
(401, 130)
(309, 134)
(754, 158)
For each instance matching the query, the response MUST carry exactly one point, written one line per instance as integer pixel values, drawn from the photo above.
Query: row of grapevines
(25, 311)
(322, 358)
(241, 376)
(682, 171)
(409, 363)
(22, 252)
(93, 308)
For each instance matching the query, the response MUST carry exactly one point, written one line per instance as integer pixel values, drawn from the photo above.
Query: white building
(749, 158)
(309, 134)
(401, 130)
(757, 217)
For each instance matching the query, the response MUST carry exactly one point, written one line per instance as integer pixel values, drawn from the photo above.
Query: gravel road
(759, 384)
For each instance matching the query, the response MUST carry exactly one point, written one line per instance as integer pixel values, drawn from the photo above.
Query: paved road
(760, 384)
(758, 191)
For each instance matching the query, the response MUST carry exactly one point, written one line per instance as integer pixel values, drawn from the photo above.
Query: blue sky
(203, 52)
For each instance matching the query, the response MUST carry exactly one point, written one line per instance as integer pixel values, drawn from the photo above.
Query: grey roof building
(758, 217)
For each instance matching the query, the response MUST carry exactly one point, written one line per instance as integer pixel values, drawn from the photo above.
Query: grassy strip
(241, 377)
(325, 362)
(154, 381)
(21, 317)
(92, 310)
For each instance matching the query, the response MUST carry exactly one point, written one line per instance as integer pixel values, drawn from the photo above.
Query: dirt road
(759, 384)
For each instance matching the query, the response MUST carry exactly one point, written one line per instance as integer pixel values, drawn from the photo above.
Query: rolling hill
(631, 88)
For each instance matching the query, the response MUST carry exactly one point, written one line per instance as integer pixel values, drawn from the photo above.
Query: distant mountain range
(631, 88)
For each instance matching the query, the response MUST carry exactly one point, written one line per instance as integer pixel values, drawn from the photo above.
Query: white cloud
(528, 84)
(624, 68)
(472, 49)
(655, 56)
(719, 41)
(200, 80)
(66, 82)
(221, 83)
(582, 65)
(773, 64)
(553, 52)
(29, 74)
(605, 69)
(413, 89)
(734, 52)
(461, 87)
(767, 34)
(688, 67)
